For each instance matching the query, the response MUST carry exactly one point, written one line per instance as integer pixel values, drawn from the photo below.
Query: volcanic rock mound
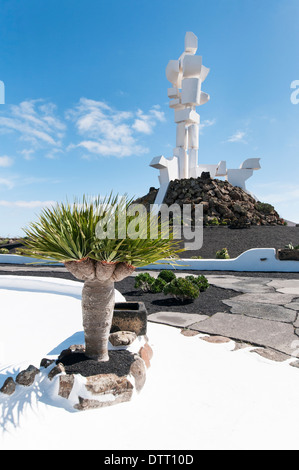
(223, 204)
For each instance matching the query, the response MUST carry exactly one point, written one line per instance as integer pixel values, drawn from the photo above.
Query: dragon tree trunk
(98, 300)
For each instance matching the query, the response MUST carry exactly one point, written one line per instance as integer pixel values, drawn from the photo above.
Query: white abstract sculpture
(186, 76)
(239, 176)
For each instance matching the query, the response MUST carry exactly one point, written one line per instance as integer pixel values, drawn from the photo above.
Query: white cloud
(206, 123)
(237, 137)
(145, 123)
(8, 183)
(34, 121)
(27, 204)
(107, 131)
(5, 161)
(28, 154)
(284, 197)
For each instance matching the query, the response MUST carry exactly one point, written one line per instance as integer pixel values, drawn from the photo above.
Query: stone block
(191, 43)
(172, 72)
(27, 377)
(66, 383)
(173, 93)
(192, 66)
(188, 115)
(8, 387)
(122, 338)
(59, 369)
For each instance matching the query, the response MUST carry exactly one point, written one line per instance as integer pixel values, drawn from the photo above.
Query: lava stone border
(87, 384)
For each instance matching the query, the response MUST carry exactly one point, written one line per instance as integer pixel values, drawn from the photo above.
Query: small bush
(182, 289)
(196, 257)
(144, 281)
(290, 246)
(222, 254)
(200, 281)
(264, 208)
(157, 286)
(167, 276)
(214, 221)
(4, 251)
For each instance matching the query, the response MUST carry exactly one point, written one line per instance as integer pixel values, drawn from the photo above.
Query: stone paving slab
(293, 306)
(177, 319)
(289, 290)
(268, 298)
(281, 283)
(245, 285)
(271, 354)
(264, 311)
(275, 335)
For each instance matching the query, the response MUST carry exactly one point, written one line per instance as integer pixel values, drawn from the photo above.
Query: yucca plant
(67, 233)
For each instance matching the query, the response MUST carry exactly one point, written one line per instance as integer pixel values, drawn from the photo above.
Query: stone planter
(86, 384)
(288, 255)
(130, 316)
(85, 388)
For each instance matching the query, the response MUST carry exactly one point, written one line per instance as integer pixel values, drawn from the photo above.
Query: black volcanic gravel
(208, 302)
(119, 364)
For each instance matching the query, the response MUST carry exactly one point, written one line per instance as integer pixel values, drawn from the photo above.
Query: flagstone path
(266, 313)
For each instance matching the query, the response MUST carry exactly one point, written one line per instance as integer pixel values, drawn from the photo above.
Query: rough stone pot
(288, 255)
(130, 316)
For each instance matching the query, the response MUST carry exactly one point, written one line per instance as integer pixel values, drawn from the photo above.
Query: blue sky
(86, 105)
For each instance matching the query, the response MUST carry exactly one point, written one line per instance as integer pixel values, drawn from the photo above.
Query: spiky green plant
(68, 233)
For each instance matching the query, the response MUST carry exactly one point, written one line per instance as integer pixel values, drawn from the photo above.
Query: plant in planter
(182, 290)
(290, 246)
(67, 233)
(289, 253)
(222, 254)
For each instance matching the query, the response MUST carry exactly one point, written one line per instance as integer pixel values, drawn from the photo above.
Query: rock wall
(223, 204)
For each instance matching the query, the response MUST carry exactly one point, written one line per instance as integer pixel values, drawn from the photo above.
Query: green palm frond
(68, 232)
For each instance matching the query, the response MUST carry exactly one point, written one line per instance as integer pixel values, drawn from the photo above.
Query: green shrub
(157, 286)
(196, 257)
(214, 221)
(290, 246)
(144, 281)
(182, 289)
(264, 208)
(4, 251)
(200, 281)
(222, 254)
(167, 276)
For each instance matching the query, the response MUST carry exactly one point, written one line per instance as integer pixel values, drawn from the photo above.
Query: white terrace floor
(198, 395)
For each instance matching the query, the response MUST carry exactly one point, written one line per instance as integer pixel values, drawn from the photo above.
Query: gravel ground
(208, 302)
(239, 240)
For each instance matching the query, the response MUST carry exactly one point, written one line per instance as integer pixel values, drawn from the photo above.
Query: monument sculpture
(186, 76)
